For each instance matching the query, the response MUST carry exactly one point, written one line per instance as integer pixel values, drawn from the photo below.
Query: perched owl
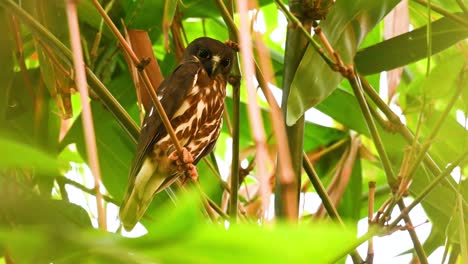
(193, 98)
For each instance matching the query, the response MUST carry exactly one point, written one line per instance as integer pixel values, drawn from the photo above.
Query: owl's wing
(171, 92)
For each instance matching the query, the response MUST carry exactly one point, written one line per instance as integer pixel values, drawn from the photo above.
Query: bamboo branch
(414, 237)
(321, 191)
(288, 181)
(296, 45)
(446, 172)
(370, 213)
(87, 118)
(234, 185)
(357, 88)
(235, 83)
(255, 120)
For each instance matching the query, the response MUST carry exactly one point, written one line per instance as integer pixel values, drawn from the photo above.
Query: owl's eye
(225, 62)
(204, 54)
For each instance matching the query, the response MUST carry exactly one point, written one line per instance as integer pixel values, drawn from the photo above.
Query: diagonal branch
(140, 64)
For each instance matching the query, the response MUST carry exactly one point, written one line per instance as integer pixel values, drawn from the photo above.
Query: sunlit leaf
(345, 28)
(409, 47)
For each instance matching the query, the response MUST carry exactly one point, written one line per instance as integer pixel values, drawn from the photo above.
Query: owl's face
(215, 56)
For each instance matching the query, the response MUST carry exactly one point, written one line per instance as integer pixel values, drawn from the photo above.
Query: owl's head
(215, 56)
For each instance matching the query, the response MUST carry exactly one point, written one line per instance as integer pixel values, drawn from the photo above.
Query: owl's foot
(190, 172)
(185, 159)
(184, 163)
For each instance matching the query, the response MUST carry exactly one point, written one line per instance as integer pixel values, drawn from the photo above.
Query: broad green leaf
(115, 148)
(409, 47)
(345, 28)
(32, 210)
(19, 155)
(439, 204)
(209, 243)
(183, 231)
(444, 151)
(317, 136)
(283, 244)
(344, 108)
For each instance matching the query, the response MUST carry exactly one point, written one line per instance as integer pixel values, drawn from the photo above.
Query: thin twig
(82, 85)
(65, 180)
(446, 172)
(321, 191)
(370, 213)
(234, 184)
(357, 88)
(323, 152)
(414, 237)
(402, 129)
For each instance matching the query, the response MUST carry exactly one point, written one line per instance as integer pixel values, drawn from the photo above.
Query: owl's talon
(191, 172)
(186, 157)
(184, 164)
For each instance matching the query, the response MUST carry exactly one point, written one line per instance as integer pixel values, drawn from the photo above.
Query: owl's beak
(212, 71)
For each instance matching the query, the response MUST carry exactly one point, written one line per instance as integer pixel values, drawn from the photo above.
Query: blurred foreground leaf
(20, 155)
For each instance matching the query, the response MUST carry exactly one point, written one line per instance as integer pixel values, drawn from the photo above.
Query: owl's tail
(140, 194)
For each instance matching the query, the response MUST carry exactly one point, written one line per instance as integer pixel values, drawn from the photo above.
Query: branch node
(143, 63)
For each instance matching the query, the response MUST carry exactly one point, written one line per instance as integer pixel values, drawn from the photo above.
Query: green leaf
(345, 28)
(441, 81)
(317, 135)
(409, 47)
(344, 108)
(283, 244)
(115, 148)
(19, 155)
(170, 7)
(189, 240)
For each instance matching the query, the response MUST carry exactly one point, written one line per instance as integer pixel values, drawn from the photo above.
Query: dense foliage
(395, 115)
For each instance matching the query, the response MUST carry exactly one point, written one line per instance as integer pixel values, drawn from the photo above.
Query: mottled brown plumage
(193, 98)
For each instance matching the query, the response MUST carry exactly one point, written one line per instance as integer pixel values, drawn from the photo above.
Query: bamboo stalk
(88, 126)
(255, 120)
(296, 44)
(235, 82)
